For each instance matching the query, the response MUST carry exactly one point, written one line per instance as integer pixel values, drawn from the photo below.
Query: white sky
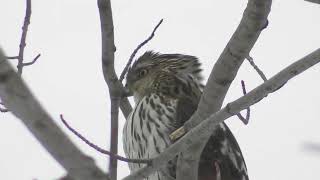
(68, 79)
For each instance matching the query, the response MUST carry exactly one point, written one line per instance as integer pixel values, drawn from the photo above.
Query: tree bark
(254, 20)
(20, 101)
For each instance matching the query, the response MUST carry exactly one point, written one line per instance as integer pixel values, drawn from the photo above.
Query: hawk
(167, 89)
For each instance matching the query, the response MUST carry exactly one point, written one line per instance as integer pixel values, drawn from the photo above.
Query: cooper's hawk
(166, 90)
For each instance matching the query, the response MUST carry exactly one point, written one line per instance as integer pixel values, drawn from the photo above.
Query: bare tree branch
(18, 98)
(32, 62)
(113, 163)
(101, 150)
(254, 20)
(208, 125)
(115, 100)
(225, 69)
(108, 49)
(12, 57)
(22, 45)
(110, 76)
(137, 49)
(246, 119)
(261, 74)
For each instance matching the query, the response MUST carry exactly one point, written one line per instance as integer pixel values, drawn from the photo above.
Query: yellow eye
(143, 72)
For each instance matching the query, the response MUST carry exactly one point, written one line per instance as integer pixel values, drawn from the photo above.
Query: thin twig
(22, 45)
(99, 149)
(137, 49)
(33, 61)
(244, 120)
(12, 57)
(261, 74)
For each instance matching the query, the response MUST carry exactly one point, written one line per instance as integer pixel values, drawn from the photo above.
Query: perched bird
(167, 89)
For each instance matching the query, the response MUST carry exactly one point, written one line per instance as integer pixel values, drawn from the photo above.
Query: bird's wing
(221, 156)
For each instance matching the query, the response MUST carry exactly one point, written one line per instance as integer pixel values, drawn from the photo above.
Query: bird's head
(142, 78)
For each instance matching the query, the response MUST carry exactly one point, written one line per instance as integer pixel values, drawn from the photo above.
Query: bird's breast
(146, 131)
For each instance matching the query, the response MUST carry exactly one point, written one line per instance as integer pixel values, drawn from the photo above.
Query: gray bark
(223, 73)
(17, 97)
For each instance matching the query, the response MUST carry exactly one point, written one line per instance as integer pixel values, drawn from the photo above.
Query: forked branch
(24, 36)
(254, 20)
(22, 46)
(108, 49)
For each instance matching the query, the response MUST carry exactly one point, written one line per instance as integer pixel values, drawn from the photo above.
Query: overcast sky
(68, 78)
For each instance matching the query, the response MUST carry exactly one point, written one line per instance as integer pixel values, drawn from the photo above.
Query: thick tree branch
(18, 98)
(225, 69)
(207, 126)
(254, 20)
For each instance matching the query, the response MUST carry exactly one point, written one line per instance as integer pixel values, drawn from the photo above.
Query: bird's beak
(127, 92)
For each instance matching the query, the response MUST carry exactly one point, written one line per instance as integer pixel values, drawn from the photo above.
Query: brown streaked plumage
(167, 89)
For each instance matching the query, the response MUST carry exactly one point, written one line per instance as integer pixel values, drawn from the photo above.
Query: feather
(167, 93)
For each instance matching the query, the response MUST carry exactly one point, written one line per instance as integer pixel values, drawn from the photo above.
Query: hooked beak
(127, 92)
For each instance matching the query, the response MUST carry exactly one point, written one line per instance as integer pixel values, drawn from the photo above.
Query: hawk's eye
(143, 72)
